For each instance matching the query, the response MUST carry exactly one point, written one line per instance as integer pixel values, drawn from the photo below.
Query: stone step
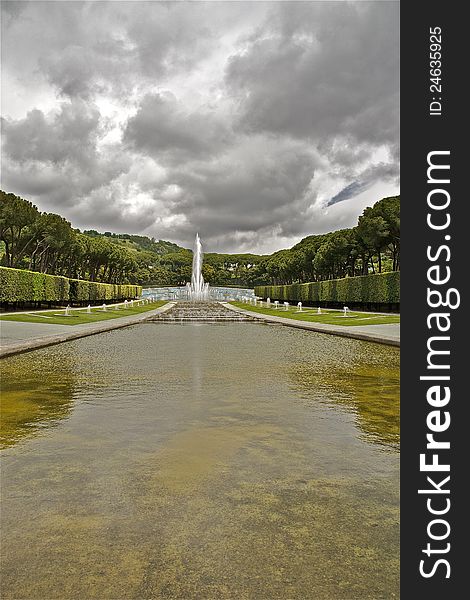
(199, 312)
(200, 320)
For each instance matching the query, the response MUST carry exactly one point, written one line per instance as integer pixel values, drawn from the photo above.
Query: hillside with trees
(47, 243)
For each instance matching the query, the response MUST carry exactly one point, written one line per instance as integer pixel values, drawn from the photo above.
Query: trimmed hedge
(18, 285)
(381, 288)
(90, 291)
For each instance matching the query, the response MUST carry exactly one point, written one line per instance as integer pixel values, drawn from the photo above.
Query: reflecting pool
(235, 461)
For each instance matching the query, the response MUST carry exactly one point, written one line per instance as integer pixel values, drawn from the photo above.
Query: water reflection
(369, 391)
(230, 461)
(34, 396)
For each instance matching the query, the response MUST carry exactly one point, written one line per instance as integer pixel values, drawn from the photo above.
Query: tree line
(47, 243)
(372, 246)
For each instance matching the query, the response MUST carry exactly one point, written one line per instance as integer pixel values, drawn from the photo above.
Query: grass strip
(330, 317)
(81, 317)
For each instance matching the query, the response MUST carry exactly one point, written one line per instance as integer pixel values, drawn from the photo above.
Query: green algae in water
(33, 396)
(186, 462)
(369, 390)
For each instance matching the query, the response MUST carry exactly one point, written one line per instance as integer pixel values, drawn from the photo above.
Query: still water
(235, 461)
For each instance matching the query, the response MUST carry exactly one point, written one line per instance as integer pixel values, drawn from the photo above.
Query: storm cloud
(252, 123)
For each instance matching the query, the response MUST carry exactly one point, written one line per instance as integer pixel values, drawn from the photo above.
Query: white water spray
(197, 289)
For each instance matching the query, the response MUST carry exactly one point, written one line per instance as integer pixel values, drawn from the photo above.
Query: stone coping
(78, 331)
(356, 332)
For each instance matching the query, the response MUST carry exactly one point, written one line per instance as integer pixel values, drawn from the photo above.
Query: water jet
(198, 290)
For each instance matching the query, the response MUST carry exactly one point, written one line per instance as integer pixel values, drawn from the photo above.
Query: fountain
(197, 290)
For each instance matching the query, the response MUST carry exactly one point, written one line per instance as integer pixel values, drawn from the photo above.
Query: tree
(46, 242)
(16, 218)
(52, 235)
(372, 233)
(389, 210)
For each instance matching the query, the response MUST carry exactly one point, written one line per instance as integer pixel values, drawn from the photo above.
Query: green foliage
(47, 243)
(381, 288)
(90, 291)
(18, 285)
(16, 219)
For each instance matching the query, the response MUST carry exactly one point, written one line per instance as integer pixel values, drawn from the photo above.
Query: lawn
(80, 316)
(332, 317)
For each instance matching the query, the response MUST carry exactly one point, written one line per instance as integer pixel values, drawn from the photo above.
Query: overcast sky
(254, 123)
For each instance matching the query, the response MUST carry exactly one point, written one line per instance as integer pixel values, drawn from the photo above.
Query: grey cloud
(258, 182)
(56, 157)
(71, 134)
(351, 190)
(12, 10)
(170, 36)
(228, 118)
(162, 127)
(366, 180)
(85, 48)
(316, 70)
(82, 71)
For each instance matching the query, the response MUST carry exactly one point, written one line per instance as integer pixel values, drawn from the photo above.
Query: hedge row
(382, 288)
(84, 291)
(18, 285)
